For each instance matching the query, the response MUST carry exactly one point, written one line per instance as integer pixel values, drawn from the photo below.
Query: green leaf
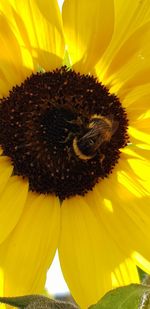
(146, 280)
(66, 60)
(145, 301)
(134, 296)
(36, 302)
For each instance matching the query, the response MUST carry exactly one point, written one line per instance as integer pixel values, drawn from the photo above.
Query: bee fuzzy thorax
(100, 130)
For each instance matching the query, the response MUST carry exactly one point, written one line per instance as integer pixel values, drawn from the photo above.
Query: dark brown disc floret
(62, 131)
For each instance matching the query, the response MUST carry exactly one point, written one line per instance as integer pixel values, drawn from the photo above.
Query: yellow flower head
(74, 156)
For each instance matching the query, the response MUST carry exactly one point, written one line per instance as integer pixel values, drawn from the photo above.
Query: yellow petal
(38, 27)
(84, 252)
(121, 202)
(135, 162)
(125, 273)
(2, 286)
(130, 36)
(1, 151)
(12, 201)
(12, 69)
(88, 27)
(135, 152)
(6, 169)
(137, 104)
(126, 68)
(28, 252)
(140, 135)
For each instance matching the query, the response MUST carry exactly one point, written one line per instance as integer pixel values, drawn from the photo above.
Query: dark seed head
(42, 120)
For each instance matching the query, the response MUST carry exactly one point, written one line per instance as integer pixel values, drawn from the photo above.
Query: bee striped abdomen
(99, 131)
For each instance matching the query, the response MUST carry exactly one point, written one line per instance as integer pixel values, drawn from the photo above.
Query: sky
(60, 2)
(55, 283)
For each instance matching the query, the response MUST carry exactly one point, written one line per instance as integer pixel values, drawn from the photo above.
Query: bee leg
(101, 158)
(69, 137)
(76, 121)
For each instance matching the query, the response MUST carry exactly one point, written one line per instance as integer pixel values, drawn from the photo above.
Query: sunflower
(74, 157)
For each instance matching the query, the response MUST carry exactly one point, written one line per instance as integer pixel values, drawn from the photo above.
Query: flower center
(63, 131)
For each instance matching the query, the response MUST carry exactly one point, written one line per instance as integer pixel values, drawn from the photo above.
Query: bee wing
(115, 125)
(92, 133)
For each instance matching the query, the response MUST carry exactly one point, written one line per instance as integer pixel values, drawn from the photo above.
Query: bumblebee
(100, 130)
